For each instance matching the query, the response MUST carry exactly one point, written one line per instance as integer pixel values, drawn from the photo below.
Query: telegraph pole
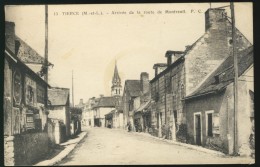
(235, 76)
(46, 43)
(46, 52)
(72, 91)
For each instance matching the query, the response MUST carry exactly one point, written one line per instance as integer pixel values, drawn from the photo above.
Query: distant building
(108, 109)
(132, 90)
(59, 106)
(103, 107)
(187, 69)
(90, 111)
(142, 111)
(75, 120)
(210, 109)
(135, 89)
(83, 107)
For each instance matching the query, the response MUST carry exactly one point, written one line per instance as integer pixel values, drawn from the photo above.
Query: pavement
(194, 147)
(69, 146)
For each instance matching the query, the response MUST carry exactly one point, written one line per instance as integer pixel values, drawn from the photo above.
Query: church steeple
(116, 88)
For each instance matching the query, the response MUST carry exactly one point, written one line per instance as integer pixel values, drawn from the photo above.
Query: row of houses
(105, 111)
(36, 115)
(190, 98)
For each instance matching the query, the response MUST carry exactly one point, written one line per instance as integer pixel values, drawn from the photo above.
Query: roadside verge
(69, 146)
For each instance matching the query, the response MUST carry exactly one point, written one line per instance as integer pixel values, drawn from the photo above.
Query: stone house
(187, 69)
(101, 108)
(132, 90)
(142, 111)
(59, 106)
(75, 120)
(210, 109)
(114, 119)
(83, 106)
(90, 111)
(25, 104)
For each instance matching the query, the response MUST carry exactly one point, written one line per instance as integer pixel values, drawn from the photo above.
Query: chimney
(10, 36)
(17, 46)
(215, 19)
(144, 82)
(159, 67)
(169, 54)
(173, 56)
(101, 95)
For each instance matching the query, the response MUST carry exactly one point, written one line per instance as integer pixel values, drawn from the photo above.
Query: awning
(144, 106)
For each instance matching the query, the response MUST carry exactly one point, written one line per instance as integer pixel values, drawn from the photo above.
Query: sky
(89, 45)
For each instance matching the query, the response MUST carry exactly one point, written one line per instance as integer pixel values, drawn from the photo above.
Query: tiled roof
(58, 96)
(27, 54)
(96, 101)
(106, 102)
(225, 73)
(133, 87)
(183, 55)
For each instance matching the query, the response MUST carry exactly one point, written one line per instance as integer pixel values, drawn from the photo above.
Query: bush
(181, 133)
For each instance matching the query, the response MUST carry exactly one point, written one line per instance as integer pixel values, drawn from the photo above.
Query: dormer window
(216, 79)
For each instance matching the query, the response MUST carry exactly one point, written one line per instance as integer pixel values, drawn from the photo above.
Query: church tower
(116, 89)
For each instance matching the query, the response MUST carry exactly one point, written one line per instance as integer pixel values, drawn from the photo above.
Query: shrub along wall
(29, 148)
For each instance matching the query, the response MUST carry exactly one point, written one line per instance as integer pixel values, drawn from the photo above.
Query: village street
(103, 146)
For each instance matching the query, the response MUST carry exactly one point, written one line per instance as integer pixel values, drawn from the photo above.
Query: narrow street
(103, 146)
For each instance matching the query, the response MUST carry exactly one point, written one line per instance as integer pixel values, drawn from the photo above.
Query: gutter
(10, 56)
(202, 94)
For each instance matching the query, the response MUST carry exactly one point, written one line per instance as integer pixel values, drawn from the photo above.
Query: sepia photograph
(129, 84)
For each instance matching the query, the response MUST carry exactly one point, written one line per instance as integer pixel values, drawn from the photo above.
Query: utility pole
(72, 91)
(46, 51)
(235, 76)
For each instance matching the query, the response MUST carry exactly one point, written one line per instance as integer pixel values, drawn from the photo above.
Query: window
(168, 84)
(209, 123)
(175, 117)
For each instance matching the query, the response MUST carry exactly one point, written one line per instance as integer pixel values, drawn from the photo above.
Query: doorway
(197, 128)
(175, 118)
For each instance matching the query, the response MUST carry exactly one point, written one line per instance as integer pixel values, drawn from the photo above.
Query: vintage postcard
(129, 84)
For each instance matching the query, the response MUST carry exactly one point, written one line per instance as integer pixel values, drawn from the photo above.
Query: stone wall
(29, 148)
(211, 49)
(56, 132)
(218, 103)
(8, 151)
(170, 89)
